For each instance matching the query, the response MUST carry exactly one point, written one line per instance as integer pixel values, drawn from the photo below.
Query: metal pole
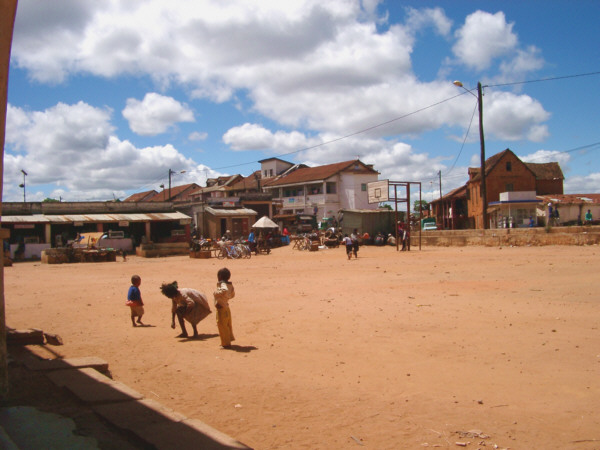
(441, 202)
(170, 172)
(420, 213)
(396, 215)
(481, 139)
(408, 214)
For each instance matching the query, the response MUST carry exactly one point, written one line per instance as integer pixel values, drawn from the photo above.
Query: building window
(266, 173)
(270, 172)
(331, 188)
(363, 187)
(508, 166)
(509, 187)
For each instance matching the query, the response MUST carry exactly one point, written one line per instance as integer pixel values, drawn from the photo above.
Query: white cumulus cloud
(482, 38)
(155, 114)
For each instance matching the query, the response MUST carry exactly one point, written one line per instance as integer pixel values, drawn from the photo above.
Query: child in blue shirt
(134, 300)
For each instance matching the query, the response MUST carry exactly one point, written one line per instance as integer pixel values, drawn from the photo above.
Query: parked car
(429, 226)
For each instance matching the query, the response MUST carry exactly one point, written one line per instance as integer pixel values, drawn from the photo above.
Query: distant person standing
(134, 300)
(286, 236)
(588, 217)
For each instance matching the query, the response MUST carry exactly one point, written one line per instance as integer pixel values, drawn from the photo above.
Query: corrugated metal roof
(35, 218)
(231, 212)
(68, 218)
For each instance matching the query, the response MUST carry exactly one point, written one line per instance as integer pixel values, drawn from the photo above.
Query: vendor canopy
(265, 222)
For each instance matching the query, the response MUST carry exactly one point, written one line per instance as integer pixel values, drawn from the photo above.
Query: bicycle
(303, 243)
(229, 251)
(244, 249)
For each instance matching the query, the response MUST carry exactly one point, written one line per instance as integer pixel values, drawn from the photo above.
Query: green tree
(423, 204)
(50, 200)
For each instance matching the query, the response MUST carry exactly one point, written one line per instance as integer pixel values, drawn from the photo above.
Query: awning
(265, 222)
(95, 218)
(231, 212)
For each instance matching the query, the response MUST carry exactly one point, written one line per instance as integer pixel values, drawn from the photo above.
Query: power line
(353, 134)
(464, 140)
(415, 112)
(545, 79)
(576, 149)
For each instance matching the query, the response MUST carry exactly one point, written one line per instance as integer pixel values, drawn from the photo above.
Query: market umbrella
(265, 222)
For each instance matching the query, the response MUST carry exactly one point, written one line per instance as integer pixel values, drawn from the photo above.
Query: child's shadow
(200, 337)
(241, 348)
(144, 325)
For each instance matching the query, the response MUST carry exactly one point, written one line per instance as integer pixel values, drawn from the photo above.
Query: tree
(423, 204)
(50, 200)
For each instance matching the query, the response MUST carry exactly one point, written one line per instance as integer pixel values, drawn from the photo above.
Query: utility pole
(483, 189)
(481, 139)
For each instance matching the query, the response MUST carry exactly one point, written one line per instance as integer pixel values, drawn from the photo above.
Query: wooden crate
(201, 254)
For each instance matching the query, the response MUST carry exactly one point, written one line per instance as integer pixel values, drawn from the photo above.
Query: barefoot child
(186, 303)
(134, 300)
(222, 294)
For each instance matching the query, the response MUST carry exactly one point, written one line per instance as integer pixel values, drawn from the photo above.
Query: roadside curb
(126, 409)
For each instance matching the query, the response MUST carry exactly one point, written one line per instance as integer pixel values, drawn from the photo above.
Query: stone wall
(583, 235)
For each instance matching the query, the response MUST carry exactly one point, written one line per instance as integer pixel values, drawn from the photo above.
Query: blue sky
(106, 97)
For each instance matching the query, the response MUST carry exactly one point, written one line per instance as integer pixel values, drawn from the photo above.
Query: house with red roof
(572, 208)
(141, 196)
(519, 182)
(321, 190)
(513, 191)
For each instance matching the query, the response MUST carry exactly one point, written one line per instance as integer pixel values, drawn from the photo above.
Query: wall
(576, 235)
(32, 251)
(549, 187)
(351, 195)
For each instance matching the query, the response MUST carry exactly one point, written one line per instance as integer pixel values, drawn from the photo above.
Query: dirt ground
(393, 350)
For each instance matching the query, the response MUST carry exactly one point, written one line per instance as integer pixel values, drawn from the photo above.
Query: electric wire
(416, 112)
(464, 140)
(353, 134)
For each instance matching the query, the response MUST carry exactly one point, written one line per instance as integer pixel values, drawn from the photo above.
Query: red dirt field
(393, 350)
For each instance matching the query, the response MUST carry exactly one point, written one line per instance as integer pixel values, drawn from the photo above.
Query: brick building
(505, 172)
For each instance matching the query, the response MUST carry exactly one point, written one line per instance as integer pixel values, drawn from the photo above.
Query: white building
(321, 190)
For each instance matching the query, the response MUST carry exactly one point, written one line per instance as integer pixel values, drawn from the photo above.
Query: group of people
(189, 305)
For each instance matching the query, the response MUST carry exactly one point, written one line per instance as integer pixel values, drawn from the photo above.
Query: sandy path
(392, 350)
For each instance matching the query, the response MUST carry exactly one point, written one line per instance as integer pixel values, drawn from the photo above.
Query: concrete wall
(8, 10)
(583, 235)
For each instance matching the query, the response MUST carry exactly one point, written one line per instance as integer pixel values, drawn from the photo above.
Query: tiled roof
(491, 162)
(247, 183)
(546, 171)
(319, 173)
(575, 199)
(141, 196)
(175, 191)
(459, 192)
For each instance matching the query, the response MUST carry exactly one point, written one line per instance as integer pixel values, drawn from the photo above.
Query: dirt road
(393, 350)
